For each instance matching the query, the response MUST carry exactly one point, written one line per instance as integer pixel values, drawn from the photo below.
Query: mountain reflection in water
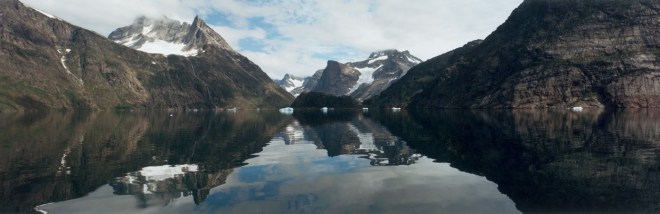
(340, 161)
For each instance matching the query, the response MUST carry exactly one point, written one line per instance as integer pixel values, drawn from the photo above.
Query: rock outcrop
(46, 63)
(549, 54)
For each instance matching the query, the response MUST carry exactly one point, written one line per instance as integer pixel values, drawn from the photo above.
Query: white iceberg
(287, 110)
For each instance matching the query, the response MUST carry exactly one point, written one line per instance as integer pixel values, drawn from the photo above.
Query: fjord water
(451, 161)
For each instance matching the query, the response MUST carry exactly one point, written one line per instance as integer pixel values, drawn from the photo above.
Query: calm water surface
(457, 161)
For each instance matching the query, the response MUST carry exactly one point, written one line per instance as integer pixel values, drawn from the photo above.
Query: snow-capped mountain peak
(292, 84)
(166, 36)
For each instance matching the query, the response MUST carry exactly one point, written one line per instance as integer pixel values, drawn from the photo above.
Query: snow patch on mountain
(366, 76)
(293, 84)
(167, 48)
(413, 59)
(383, 57)
(45, 14)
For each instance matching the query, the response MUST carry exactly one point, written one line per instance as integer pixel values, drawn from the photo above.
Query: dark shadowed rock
(320, 100)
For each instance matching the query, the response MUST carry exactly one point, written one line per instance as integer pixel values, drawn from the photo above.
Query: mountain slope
(46, 63)
(552, 54)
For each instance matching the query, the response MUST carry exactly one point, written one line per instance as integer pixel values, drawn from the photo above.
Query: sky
(299, 36)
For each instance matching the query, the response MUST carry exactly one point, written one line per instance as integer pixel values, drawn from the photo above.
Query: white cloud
(309, 31)
(234, 35)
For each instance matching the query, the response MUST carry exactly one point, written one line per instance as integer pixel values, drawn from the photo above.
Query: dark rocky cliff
(549, 53)
(320, 100)
(46, 63)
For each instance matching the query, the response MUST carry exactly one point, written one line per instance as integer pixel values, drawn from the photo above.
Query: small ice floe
(287, 110)
(324, 109)
(577, 109)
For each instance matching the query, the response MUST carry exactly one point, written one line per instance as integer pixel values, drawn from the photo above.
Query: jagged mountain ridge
(557, 54)
(297, 85)
(46, 63)
(292, 84)
(361, 79)
(167, 36)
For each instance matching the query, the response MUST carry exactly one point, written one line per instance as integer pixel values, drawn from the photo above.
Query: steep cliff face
(46, 63)
(592, 53)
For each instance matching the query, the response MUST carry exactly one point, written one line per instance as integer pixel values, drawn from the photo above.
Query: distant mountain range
(47, 63)
(548, 54)
(360, 80)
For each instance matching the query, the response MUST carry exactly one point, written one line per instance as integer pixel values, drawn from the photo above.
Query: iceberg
(287, 110)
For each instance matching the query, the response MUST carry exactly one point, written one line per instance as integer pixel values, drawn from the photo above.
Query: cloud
(298, 36)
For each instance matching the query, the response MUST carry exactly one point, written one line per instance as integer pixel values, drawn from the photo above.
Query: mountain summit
(167, 36)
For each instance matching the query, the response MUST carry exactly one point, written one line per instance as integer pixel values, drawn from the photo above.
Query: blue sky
(299, 36)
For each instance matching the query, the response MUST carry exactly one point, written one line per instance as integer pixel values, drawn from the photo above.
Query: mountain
(361, 79)
(297, 85)
(379, 71)
(292, 84)
(46, 63)
(167, 36)
(592, 53)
